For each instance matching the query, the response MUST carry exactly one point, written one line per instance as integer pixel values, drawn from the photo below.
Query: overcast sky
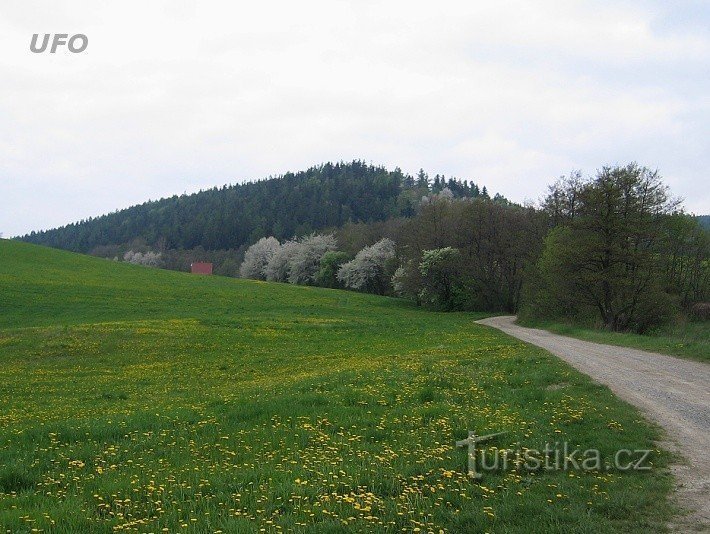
(177, 96)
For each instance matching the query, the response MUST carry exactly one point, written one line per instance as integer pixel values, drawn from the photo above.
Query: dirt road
(674, 393)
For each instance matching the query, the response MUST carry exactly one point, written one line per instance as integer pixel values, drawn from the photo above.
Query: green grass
(145, 400)
(686, 340)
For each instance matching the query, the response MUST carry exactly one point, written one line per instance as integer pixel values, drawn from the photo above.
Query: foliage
(257, 257)
(353, 237)
(407, 281)
(441, 275)
(548, 293)
(147, 259)
(610, 251)
(295, 204)
(701, 311)
(684, 259)
(225, 262)
(279, 267)
(496, 241)
(144, 400)
(297, 261)
(305, 261)
(370, 270)
(329, 265)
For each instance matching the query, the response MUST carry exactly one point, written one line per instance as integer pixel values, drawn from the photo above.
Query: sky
(175, 96)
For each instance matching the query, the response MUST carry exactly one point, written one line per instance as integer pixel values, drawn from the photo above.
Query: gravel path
(674, 393)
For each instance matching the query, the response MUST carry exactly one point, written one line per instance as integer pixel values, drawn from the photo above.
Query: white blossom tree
(147, 259)
(444, 194)
(278, 268)
(257, 257)
(304, 263)
(368, 270)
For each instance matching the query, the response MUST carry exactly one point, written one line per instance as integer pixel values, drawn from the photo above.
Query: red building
(201, 268)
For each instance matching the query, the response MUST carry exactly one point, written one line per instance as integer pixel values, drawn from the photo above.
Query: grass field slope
(686, 340)
(140, 400)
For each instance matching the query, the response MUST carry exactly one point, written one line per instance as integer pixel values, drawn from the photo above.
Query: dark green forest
(229, 217)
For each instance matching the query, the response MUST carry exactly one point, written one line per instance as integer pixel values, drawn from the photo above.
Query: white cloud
(177, 96)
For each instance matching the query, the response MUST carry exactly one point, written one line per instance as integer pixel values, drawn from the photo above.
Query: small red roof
(201, 268)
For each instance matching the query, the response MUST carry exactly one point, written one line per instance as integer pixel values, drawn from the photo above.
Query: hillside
(136, 399)
(325, 196)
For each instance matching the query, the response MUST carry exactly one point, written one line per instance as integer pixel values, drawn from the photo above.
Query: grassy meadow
(687, 339)
(141, 400)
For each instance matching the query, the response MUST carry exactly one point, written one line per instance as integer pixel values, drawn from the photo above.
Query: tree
(440, 270)
(497, 242)
(147, 259)
(422, 179)
(562, 200)
(257, 257)
(685, 262)
(279, 267)
(605, 256)
(304, 263)
(407, 282)
(368, 271)
(329, 265)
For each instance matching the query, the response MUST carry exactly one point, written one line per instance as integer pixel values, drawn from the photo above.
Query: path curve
(673, 392)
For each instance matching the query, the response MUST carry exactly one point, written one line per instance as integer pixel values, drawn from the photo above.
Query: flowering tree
(278, 268)
(147, 259)
(304, 263)
(368, 270)
(257, 257)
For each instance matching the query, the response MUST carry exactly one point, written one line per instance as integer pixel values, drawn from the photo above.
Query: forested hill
(324, 196)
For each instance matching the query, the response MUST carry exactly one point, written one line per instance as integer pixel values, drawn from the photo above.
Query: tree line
(614, 249)
(231, 217)
(620, 251)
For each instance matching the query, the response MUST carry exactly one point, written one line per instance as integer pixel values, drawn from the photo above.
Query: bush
(257, 257)
(147, 259)
(304, 262)
(407, 282)
(700, 311)
(278, 268)
(368, 271)
(329, 265)
(442, 281)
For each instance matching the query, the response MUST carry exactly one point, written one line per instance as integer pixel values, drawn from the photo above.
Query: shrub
(441, 275)
(304, 263)
(407, 282)
(257, 257)
(368, 271)
(278, 268)
(329, 265)
(147, 259)
(701, 311)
